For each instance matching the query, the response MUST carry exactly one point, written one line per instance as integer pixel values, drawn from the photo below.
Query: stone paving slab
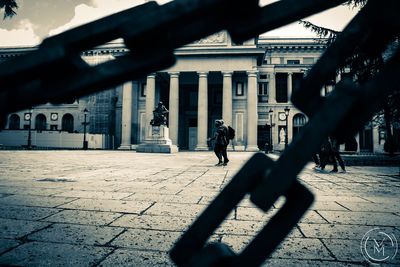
(108, 205)
(306, 263)
(249, 228)
(26, 213)
(147, 239)
(93, 194)
(83, 217)
(361, 218)
(76, 234)
(164, 198)
(29, 191)
(291, 248)
(51, 254)
(337, 231)
(164, 223)
(175, 209)
(7, 244)
(346, 250)
(35, 201)
(15, 229)
(125, 257)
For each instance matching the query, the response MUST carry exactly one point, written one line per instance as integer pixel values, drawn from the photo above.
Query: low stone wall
(371, 160)
(52, 139)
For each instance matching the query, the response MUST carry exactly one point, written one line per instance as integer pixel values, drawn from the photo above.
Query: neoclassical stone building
(248, 85)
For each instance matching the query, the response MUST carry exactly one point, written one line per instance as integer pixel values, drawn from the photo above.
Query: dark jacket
(221, 136)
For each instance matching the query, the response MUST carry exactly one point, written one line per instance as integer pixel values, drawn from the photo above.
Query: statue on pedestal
(159, 115)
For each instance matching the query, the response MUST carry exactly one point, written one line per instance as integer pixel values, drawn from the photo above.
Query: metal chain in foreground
(31, 80)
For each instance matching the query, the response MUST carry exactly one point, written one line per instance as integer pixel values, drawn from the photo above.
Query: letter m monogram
(379, 247)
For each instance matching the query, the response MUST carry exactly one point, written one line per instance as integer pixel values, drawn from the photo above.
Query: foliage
(9, 7)
(363, 65)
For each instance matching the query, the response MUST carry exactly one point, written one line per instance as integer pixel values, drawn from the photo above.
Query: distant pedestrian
(336, 155)
(221, 142)
(330, 152)
(324, 154)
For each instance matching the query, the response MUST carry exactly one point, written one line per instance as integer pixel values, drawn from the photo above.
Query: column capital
(202, 73)
(252, 73)
(174, 74)
(290, 73)
(227, 73)
(151, 76)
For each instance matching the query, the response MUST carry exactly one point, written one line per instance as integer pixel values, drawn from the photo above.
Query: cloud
(23, 35)
(98, 9)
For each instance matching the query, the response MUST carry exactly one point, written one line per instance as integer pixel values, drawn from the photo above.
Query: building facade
(248, 85)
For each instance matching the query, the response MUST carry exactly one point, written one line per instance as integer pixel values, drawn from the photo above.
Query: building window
(143, 90)
(14, 122)
(67, 123)
(239, 89)
(40, 122)
(296, 80)
(262, 92)
(281, 87)
(308, 60)
(293, 61)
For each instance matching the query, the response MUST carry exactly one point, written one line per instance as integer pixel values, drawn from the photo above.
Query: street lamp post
(29, 145)
(287, 110)
(271, 146)
(85, 123)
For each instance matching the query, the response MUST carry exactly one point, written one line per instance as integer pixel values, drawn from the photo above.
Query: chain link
(30, 80)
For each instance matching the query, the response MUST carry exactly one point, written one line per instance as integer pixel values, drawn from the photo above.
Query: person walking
(221, 142)
(324, 154)
(330, 151)
(336, 155)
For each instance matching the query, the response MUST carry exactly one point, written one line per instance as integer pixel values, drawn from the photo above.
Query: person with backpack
(222, 137)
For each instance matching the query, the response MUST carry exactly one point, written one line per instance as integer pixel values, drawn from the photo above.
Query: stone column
(272, 89)
(252, 116)
(174, 107)
(126, 130)
(289, 85)
(202, 112)
(150, 100)
(227, 98)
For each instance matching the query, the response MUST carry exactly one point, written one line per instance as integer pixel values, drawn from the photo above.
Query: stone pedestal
(157, 141)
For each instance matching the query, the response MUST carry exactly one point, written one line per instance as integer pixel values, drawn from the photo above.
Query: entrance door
(263, 137)
(366, 140)
(192, 138)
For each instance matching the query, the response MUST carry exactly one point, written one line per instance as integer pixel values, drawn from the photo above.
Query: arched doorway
(67, 123)
(40, 122)
(299, 120)
(14, 122)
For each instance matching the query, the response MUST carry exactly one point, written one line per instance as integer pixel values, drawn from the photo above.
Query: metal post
(29, 146)
(85, 123)
(271, 146)
(287, 110)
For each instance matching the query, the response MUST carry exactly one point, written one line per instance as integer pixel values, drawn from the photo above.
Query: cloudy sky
(37, 19)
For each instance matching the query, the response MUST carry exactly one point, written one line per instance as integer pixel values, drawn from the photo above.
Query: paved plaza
(121, 208)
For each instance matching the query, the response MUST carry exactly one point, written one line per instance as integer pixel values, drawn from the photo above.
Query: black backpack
(231, 133)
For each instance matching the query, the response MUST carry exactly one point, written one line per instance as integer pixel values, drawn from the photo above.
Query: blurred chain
(56, 72)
